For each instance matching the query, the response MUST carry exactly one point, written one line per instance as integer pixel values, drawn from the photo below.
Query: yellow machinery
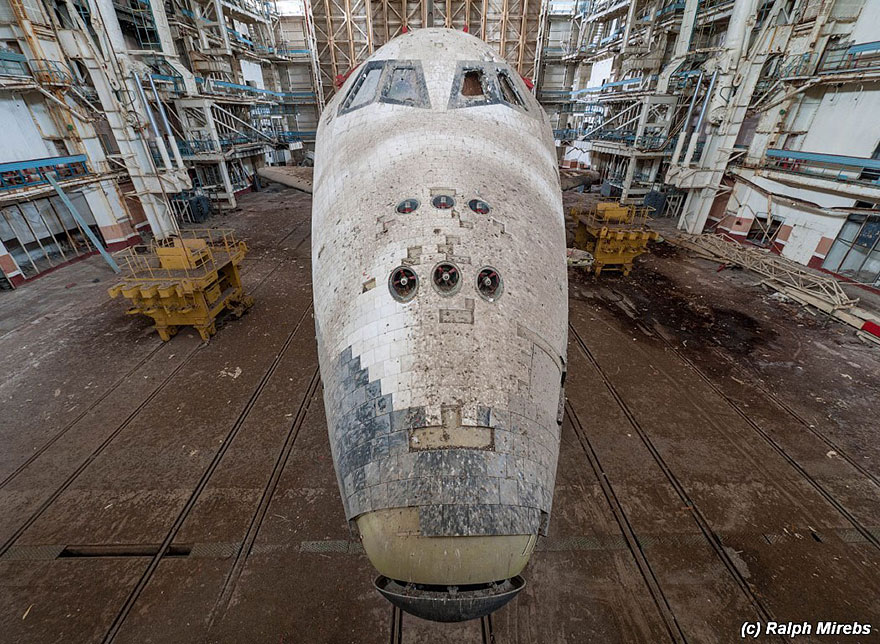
(614, 234)
(185, 281)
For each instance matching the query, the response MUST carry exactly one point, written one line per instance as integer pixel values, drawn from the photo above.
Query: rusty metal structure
(185, 281)
(613, 233)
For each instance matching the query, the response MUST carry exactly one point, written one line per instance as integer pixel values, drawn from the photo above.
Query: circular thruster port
(478, 206)
(489, 284)
(443, 202)
(403, 284)
(447, 278)
(407, 206)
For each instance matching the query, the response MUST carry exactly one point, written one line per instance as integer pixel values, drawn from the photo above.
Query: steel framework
(349, 31)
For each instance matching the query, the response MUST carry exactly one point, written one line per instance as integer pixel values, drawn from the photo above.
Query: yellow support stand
(614, 234)
(185, 281)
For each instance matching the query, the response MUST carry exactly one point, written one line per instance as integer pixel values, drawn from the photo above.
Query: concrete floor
(719, 464)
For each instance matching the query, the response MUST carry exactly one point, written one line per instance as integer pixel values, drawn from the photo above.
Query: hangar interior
(718, 461)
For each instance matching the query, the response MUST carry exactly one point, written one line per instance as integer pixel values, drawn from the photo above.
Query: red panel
(871, 327)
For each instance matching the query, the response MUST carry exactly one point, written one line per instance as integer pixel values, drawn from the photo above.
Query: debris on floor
(788, 278)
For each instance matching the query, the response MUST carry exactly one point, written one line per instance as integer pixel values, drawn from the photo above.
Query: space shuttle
(441, 311)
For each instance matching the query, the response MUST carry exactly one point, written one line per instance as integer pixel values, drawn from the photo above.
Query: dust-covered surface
(744, 331)
(718, 464)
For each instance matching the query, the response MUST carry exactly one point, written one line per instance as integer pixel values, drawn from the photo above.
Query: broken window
(763, 231)
(363, 92)
(485, 83)
(405, 85)
(472, 85)
(856, 251)
(508, 91)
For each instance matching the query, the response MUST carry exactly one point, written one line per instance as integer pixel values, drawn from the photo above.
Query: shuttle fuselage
(438, 257)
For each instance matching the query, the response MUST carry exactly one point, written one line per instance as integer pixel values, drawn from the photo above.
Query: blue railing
(192, 147)
(47, 72)
(176, 81)
(25, 174)
(298, 135)
(835, 60)
(590, 90)
(235, 87)
(50, 72)
(861, 57)
(678, 5)
(835, 167)
(257, 111)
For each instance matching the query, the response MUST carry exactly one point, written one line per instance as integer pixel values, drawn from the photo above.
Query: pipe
(160, 144)
(153, 126)
(687, 120)
(692, 144)
(53, 98)
(161, 108)
(172, 142)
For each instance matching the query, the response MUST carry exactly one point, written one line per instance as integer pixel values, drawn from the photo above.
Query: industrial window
(856, 251)
(405, 85)
(508, 91)
(363, 91)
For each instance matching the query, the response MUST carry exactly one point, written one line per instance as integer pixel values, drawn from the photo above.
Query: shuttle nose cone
(442, 578)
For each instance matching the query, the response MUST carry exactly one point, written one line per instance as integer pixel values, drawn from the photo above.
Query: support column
(227, 183)
(111, 216)
(9, 267)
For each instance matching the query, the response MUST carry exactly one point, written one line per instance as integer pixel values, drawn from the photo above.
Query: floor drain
(134, 550)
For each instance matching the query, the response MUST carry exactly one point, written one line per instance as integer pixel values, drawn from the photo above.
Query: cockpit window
(484, 83)
(402, 82)
(472, 85)
(363, 92)
(508, 91)
(405, 84)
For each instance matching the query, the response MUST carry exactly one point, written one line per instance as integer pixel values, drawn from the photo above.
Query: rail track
(626, 529)
(36, 514)
(699, 517)
(116, 384)
(842, 453)
(817, 485)
(184, 513)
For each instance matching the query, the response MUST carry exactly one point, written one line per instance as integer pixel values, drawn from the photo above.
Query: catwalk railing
(195, 147)
(833, 167)
(835, 60)
(26, 174)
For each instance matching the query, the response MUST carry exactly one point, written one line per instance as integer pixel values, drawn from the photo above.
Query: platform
(719, 464)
